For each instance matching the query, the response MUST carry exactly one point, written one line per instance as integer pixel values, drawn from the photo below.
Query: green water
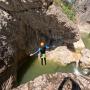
(86, 39)
(32, 69)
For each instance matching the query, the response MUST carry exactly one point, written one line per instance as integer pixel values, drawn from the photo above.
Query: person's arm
(35, 52)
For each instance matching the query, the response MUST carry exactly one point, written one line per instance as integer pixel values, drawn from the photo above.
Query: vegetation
(89, 35)
(67, 9)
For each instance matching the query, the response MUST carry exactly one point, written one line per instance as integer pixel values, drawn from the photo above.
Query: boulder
(63, 55)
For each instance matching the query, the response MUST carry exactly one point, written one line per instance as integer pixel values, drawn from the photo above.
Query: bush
(67, 9)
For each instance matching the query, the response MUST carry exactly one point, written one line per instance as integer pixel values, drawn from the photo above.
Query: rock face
(83, 9)
(58, 81)
(63, 55)
(24, 23)
(85, 59)
(7, 65)
(79, 44)
(34, 20)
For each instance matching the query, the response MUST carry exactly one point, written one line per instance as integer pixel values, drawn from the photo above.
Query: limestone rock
(83, 6)
(57, 81)
(63, 55)
(35, 20)
(7, 65)
(84, 28)
(83, 16)
(24, 23)
(79, 44)
(85, 59)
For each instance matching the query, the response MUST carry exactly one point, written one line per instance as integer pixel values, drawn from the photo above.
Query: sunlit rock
(79, 44)
(58, 81)
(63, 55)
(85, 59)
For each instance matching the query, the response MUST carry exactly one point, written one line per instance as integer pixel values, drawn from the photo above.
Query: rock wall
(83, 9)
(58, 81)
(24, 23)
(7, 65)
(85, 59)
(34, 20)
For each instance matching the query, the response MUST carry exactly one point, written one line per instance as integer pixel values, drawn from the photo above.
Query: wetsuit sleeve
(47, 47)
(37, 51)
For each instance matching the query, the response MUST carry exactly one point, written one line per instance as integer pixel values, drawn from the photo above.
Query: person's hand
(31, 54)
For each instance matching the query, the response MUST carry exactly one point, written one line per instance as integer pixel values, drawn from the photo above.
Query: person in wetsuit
(42, 51)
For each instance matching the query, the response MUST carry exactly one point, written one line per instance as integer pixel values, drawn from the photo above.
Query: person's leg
(42, 61)
(45, 61)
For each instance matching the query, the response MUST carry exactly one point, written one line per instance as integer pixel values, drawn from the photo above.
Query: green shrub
(67, 9)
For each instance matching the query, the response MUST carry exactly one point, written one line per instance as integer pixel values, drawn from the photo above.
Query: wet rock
(57, 81)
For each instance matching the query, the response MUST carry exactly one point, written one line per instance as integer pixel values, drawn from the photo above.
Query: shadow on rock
(69, 84)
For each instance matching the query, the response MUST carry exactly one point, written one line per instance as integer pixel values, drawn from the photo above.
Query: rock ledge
(57, 81)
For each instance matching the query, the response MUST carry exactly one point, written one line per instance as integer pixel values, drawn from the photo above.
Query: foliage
(86, 39)
(67, 9)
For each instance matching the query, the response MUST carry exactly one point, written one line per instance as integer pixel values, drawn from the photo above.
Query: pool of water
(33, 68)
(86, 39)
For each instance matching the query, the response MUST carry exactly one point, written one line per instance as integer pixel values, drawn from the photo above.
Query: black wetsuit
(43, 55)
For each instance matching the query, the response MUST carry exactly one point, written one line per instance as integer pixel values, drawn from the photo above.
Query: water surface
(33, 68)
(86, 39)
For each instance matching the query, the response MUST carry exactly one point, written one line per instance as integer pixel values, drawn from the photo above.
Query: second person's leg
(45, 61)
(42, 61)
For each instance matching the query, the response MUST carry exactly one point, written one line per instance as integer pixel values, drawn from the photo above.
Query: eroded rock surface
(7, 64)
(63, 55)
(83, 16)
(34, 20)
(58, 81)
(24, 23)
(83, 8)
(85, 59)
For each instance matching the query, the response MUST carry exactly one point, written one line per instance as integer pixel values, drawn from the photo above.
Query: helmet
(42, 43)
